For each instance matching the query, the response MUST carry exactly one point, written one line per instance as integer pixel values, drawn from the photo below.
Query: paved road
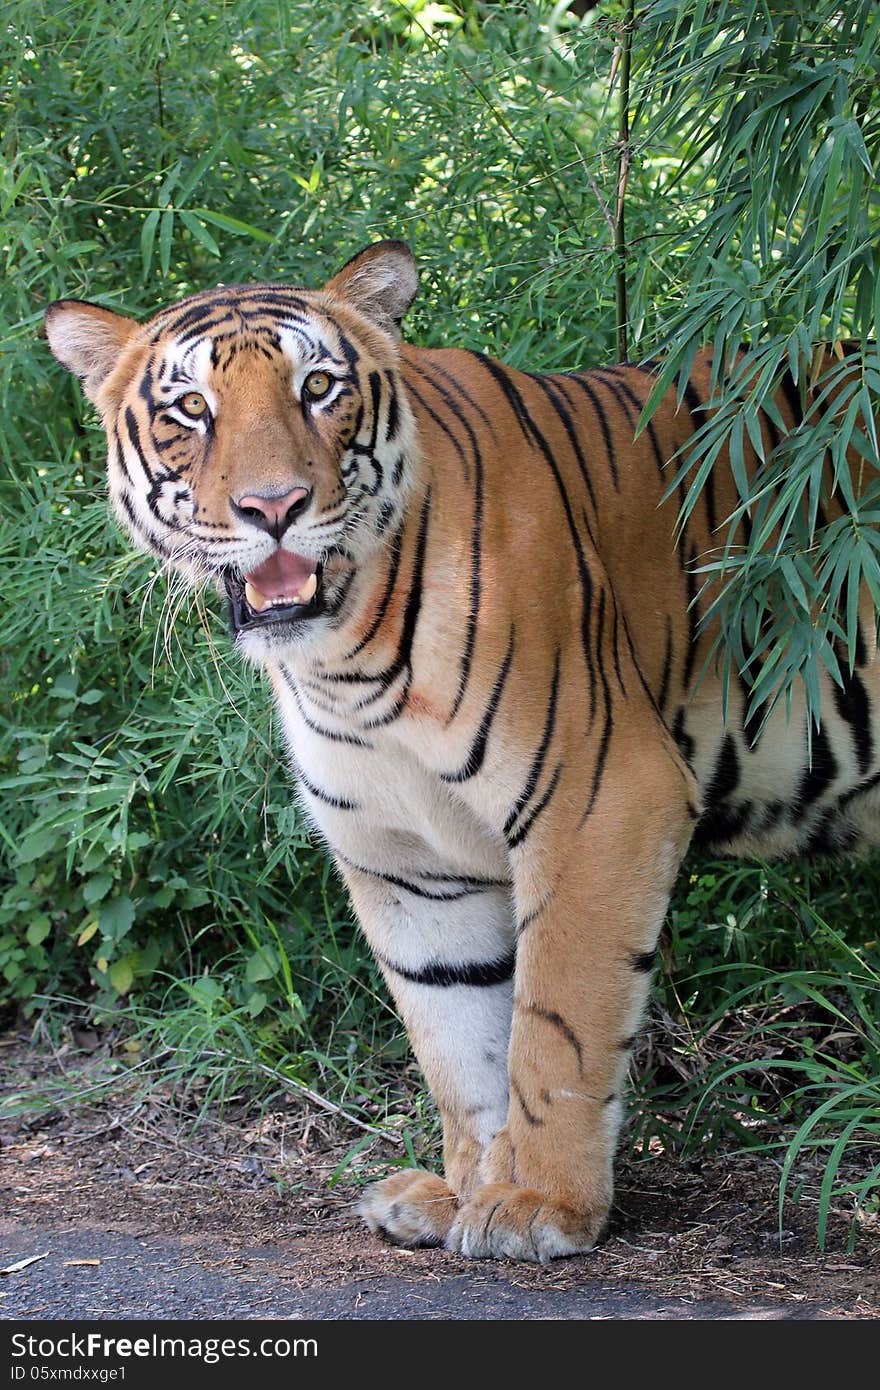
(165, 1277)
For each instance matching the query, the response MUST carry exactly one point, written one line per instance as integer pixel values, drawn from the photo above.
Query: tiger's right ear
(381, 281)
(87, 339)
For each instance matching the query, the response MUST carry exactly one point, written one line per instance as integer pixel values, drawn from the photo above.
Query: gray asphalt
(162, 1277)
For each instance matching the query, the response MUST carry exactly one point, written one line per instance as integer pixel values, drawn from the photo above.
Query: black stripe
(153, 541)
(725, 778)
(476, 547)
(461, 389)
(695, 406)
(821, 772)
(134, 436)
(337, 802)
(533, 1119)
(686, 745)
(603, 421)
(639, 672)
(622, 393)
(321, 698)
(535, 913)
(525, 826)
(608, 724)
(393, 422)
(552, 391)
(667, 668)
(599, 771)
(532, 434)
(441, 423)
(332, 735)
(375, 382)
(639, 404)
(831, 835)
(557, 1021)
(853, 705)
(537, 766)
(478, 974)
(408, 886)
(867, 785)
(403, 659)
(145, 391)
(643, 961)
(476, 757)
(615, 642)
(472, 879)
(721, 820)
(195, 314)
(396, 552)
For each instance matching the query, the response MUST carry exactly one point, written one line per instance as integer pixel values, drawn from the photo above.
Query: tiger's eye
(193, 404)
(318, 384)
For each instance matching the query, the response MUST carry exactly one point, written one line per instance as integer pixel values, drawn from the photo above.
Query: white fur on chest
(394, 812)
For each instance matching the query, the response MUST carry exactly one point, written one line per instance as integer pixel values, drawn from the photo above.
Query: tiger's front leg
(592, 885)
(446, 949)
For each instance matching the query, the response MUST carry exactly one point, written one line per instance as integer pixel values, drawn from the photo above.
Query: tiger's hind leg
(592, 889)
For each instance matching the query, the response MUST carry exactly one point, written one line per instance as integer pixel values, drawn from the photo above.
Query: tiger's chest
(381, 807)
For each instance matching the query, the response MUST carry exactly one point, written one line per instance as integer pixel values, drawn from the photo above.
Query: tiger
(483, 630)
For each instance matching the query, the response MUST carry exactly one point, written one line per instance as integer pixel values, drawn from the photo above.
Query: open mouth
(286, 588)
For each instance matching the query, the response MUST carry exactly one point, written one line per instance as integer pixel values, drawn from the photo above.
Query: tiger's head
(258, 435)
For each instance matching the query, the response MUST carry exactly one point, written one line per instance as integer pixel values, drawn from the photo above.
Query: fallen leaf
(23, 1264)
(68, 1263)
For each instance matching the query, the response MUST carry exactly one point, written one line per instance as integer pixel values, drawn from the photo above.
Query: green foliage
(771, 118)
(780, 1054)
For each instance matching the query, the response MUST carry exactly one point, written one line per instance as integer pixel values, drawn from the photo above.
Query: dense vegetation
(155, 873)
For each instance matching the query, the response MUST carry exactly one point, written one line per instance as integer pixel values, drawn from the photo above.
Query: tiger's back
(566, 462)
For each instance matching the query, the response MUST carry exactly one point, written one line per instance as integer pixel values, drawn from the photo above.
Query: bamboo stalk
(623, 163)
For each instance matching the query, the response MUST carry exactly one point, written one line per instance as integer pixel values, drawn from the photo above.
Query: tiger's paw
(412, 1208)
(504, 1222)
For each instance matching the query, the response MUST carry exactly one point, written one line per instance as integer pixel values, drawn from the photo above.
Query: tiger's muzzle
(284, 589)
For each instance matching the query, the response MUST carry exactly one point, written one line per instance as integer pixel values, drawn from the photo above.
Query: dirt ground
(134, 1214)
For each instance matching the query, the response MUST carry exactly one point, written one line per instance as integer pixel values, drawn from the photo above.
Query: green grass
(773, 1034)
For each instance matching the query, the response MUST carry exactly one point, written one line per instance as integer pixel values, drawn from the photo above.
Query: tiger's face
(258, 436)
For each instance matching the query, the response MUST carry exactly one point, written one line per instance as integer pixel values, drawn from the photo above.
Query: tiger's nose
(272, 514)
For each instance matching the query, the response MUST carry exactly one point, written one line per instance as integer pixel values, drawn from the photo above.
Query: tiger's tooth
(256, 600)
(307, 592)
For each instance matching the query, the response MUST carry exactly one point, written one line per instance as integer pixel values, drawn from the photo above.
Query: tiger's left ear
(381, 281)
(87, 339)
